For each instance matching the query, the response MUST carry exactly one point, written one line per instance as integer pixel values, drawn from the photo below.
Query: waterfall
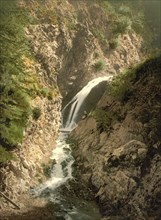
(74, 106)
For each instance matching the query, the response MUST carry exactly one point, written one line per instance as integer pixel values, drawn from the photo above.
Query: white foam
(78, 100)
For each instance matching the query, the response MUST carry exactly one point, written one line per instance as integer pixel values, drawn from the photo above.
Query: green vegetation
(103, 118)
(142, 16)
(121, 26)
(121, 84)
(100, 35)
(126, 16)
(36, 112)
(14, 103)
(17, 86)
(46, 92)
(113, 44)
(70, 25)
(47, 15)
(99, 65)
(5, 155)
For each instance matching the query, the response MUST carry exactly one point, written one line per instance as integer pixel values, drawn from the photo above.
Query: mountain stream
(67, 207)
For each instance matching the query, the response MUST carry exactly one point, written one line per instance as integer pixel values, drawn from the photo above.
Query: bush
(5, 155)
(36, 112)
(125, 10)
(99, 34)
(15, 101)
(44, 92)
(47, 93)
(113, 44)
(122, 25)
(121, 85)
(96, 54)
(99, 65)
(46, 15)
(103, 118)
(71, 25)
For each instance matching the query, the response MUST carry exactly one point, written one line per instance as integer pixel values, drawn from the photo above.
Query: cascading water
(77, 103)
(62, 170)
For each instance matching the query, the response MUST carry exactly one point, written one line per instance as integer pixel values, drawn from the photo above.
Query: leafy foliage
(36, 112)
(103, 118)
(99, 65)
(121, 84)
(99, 34)
(122, 25)
(14, 102)
(46, 15)
(5, 155)
(113, 44)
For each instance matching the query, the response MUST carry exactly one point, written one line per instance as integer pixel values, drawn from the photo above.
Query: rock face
(122, 165)
(66, 51)
(18, 175)
(71, 46)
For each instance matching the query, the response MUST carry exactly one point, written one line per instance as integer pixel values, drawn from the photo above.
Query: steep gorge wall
(18, 175)
(122, 162)
(70, 46)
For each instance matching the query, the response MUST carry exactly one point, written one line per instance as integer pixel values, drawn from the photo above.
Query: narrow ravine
(71, 208)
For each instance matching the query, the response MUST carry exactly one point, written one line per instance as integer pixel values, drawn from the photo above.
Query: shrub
(36, 112)
(121, 85)
(125, 10)
(103, 118)
(44, 92)
(14, 102)
(122, 25)
(71, 25)
(96, 54)
(113, 44)
(47, 93)
(99, 65)
(50, 96)
(46, 15)
(5, 155)
(99, 34)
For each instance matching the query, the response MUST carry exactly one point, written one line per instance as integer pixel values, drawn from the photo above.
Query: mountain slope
(118, 147)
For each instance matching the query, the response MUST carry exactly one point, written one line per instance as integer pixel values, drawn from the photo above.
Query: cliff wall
(118, 151)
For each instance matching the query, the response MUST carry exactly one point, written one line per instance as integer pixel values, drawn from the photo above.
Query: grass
(100, 35)
(103, 118)
(121, 26)
(71, 25)
(18, 85)
(113, 44)
(15, 100)
(36, 112)
(99, 65)
(5, 156)
(121, 84)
